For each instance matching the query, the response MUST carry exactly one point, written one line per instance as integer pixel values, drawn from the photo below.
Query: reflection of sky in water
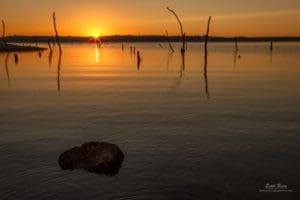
(244, 136)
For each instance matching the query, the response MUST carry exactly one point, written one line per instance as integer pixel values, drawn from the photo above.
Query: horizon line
(155, 35)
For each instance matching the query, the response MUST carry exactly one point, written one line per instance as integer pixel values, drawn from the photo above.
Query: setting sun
(96, 35)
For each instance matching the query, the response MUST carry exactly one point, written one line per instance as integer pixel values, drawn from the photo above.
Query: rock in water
(96, 157)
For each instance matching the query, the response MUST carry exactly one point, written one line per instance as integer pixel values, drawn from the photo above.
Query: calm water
(184, 136)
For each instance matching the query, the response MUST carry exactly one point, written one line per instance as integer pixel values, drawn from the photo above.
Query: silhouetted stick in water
(16, 58)
(206, 82)
(50, 54)
(181, 29)
(122, 47)
(183, 61)
(49, 45)
(60, 52)
(56, 33)
(271, 46)
(205, 58)
(3, 33)
(58, 73)
(7, 70)
(207, 35)
(159, 44)
(139, 59)
(134, 50)
(169, 41)
(236, 45)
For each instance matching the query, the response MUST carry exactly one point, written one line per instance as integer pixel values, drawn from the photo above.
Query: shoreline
(17, 48)
(145, 38)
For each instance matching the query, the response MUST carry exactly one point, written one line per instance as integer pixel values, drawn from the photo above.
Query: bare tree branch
(56, 33)
(205, 59)
(207, 33)
(3, 32)
(175, 14)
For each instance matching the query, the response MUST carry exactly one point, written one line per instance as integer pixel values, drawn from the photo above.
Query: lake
(186, 134)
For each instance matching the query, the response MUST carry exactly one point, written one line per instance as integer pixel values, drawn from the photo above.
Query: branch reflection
(7, 70)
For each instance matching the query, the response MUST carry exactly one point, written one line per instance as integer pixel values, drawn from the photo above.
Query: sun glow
(96, 35)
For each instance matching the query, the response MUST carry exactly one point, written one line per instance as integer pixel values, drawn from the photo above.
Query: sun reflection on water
(96, 53)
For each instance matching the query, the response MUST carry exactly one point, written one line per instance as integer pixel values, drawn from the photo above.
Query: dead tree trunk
(3, 33)
(56, 33)
(271, 46)
(236, 45)
(181, 29)
(205, 58)
(206, 40)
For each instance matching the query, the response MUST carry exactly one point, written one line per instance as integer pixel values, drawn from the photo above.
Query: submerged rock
(96, 157)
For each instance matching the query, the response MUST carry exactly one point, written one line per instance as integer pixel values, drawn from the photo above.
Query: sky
(148, 17)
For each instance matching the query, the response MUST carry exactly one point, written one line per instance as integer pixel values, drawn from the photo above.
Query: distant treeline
(146, 38)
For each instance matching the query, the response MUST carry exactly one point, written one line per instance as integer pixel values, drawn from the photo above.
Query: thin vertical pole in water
(60, 52)
(3, 33)
(58, 74)
(271, 46)
(206, 39)
(50, 53)
(16, 58)
(236, 45)
(205, 58)
(138, 60)
(49, 45)
(56, 33)
(7, 70)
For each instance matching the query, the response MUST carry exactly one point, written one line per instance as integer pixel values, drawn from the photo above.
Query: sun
(96, 35)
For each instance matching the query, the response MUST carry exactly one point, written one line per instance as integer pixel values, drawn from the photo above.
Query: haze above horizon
(122, 17)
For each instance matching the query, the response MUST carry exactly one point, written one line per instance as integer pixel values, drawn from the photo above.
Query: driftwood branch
(181, 29)
(60, 55)
(3, 32)
(271, 46)
(236, 45)
(175, 14)
(205, 58)
(207, 34)
(59, 74)
(49, 45)
(139, 59)
(56, 33)
(169, 41)
(7, 70)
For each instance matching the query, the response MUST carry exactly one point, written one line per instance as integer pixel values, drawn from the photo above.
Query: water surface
(185, 135)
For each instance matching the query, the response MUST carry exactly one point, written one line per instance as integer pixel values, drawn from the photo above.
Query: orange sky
(96, 17)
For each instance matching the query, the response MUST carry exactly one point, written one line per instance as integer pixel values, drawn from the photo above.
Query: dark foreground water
(184, 135)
